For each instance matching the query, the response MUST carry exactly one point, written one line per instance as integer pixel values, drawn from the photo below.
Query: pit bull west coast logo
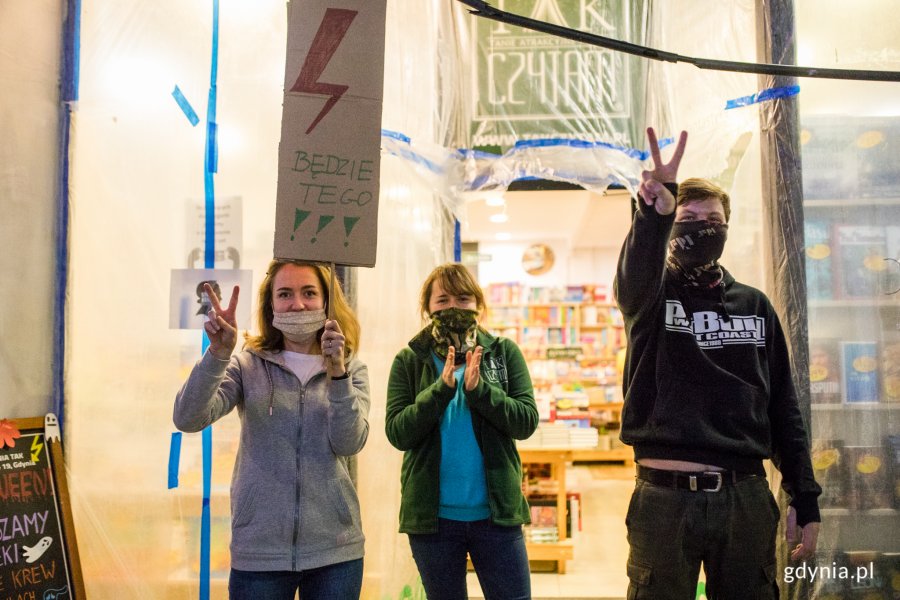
(711, 330)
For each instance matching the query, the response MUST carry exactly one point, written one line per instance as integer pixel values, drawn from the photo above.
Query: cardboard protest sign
(329, 156)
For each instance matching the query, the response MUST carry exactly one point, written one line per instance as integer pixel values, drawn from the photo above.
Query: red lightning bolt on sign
(331, 32)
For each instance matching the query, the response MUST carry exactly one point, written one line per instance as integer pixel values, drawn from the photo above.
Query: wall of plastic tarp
(137, 177)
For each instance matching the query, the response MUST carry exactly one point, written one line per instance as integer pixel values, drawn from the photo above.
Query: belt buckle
(717, 474)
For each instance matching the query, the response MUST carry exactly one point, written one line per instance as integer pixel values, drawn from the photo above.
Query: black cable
(483, 9)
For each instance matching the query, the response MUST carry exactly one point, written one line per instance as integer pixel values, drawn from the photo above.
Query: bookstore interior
(548, 274)
(516, 135)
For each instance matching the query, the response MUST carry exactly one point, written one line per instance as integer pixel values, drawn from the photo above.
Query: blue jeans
(340, 581)
(731, 532)
(497, 553)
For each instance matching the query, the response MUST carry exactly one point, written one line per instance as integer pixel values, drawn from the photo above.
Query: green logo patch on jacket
(494, 370)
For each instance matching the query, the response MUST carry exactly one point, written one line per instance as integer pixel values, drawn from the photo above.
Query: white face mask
(301, 326)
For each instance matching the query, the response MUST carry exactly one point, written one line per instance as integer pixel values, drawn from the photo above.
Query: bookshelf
(551, 481)
(573, 340)
(852, 244)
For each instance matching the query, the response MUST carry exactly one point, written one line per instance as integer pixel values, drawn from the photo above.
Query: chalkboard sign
(38, 552)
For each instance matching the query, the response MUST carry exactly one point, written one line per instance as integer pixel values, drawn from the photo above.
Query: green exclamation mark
(323, 221)
(299, 217)
(349, 224)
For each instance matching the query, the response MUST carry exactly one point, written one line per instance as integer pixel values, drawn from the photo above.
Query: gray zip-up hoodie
(293, 505)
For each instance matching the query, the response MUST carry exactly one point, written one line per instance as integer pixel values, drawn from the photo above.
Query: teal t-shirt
(464, 494)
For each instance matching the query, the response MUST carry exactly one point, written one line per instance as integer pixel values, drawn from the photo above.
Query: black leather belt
(696, 481)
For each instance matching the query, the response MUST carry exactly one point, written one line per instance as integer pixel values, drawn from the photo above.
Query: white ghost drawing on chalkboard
(51, 427)
(55, 594)
(35, 552)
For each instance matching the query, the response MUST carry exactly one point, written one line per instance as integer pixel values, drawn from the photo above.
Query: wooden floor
(597, 570)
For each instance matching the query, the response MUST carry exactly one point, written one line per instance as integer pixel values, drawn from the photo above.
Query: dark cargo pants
(731, 532)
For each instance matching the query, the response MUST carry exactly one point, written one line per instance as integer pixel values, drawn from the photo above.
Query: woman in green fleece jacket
(458, 397)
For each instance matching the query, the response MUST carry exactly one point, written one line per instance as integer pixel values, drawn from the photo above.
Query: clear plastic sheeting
(450, 132)
(544, 107)
(138, 174)
(849, 138)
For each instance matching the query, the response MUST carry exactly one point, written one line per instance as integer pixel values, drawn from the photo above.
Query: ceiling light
(500, 217)
(494, 198)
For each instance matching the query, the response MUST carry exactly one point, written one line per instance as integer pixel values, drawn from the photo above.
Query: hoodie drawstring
(271, 387)
(722, 301)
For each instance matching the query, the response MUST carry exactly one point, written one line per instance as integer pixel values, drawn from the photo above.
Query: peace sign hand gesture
(652, 189)
(222, 325)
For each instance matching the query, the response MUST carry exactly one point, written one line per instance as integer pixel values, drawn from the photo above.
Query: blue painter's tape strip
(586, 144)
(186, 107)
(209, 242)
(212, 148)
(205, 516)
(69, 78)
(465, 153)
(71, 67)
(174, 459)
(457, 241)
(395, 135)
(210, 167)
(763, 96)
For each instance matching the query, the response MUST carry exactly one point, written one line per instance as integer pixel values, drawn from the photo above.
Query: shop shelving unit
(567, 342)
(852, 240)
(561, 550)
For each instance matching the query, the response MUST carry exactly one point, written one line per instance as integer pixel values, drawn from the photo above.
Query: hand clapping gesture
(472, 374)
(222, 325)
(652, 189)
(449, 367)
(333, 348)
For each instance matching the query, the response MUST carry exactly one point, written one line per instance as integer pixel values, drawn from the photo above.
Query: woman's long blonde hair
(272, 339)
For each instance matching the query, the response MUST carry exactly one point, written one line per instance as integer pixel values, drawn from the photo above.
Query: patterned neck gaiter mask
(455, 327)
(694, 251)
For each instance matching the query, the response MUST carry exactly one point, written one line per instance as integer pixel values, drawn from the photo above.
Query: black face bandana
(694, 249)
(455, 327)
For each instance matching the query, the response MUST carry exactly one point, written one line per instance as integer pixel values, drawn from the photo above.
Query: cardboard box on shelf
(868, 483)
(830, 469)
(859, 260)
(859, 371)
(824, 371)
(829, 158)
(890, 371)
(819, 285)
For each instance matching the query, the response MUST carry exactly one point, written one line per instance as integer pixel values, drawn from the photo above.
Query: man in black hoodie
(708, 397)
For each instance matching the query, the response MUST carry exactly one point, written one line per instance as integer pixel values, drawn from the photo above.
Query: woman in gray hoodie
(303, 401)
